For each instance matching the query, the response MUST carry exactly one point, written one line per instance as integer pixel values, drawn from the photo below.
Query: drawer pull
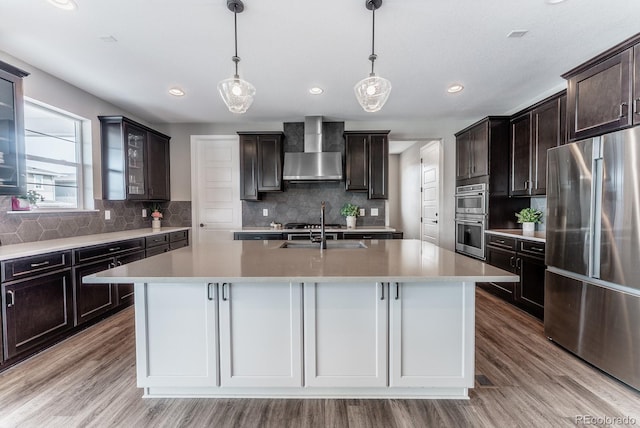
(537, 249)
(114, 249)
(500, 241)
(36, 265)
(366, 236)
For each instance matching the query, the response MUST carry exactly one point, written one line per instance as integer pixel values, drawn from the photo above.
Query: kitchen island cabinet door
(260, 334)
(431, 334)
(176, 326)
(345, 330)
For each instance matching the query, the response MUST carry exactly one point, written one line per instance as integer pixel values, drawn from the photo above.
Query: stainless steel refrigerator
(592, 286)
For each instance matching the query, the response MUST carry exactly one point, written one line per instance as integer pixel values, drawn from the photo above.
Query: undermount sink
(330, 244)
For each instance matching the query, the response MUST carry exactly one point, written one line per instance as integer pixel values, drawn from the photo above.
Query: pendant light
(236, 93)
(372, 92)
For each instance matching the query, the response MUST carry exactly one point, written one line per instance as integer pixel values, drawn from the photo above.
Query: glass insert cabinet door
(12, 166)
(135, 138)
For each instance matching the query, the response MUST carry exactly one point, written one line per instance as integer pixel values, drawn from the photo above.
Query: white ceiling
(288, 46)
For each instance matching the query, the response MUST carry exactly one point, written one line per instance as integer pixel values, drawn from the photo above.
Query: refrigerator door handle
(596, 240)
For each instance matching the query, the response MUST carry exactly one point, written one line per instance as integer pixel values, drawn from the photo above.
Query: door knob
(201, 224)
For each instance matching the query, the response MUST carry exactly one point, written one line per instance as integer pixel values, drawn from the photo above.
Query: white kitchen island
(251, 319)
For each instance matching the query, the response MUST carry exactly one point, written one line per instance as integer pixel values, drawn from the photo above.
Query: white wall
(393, 203)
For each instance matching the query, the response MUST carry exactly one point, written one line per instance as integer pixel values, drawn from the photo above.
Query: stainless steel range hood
(313, 164)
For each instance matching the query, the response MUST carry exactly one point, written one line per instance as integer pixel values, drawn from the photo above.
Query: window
(53, 147)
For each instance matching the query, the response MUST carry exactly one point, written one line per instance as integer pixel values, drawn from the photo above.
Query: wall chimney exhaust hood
(313, 164)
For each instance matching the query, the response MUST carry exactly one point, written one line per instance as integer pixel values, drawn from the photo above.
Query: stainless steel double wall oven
(471, 219)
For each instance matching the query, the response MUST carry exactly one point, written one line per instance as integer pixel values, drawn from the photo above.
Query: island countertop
(265, 261)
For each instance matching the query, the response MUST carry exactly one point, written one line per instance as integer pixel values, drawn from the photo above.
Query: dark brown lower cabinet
(36, 311)
(524, 258)
(93, 300)
(125, 291)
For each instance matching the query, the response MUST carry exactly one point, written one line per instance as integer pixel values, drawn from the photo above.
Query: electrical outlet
(107, 214)
(144, 212)
(374, 212)
(362, 212)
(265, 212)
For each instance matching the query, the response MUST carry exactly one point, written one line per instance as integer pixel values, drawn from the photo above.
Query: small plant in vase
(26, 202)
(350, 211)
(529, 217)
(156, 215)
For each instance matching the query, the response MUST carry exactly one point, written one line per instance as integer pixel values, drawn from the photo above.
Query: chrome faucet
(323, 235)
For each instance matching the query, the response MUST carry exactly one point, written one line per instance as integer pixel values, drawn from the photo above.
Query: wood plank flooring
(521, 380)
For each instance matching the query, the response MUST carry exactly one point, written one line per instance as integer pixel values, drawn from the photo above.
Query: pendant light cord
(236, 58)
(373, 57)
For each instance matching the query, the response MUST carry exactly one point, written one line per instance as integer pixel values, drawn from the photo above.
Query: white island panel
(261, 334)
(345, 334)
(432, 334)
(176, 334)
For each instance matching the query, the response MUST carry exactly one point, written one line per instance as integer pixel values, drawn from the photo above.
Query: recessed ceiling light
(316, 90)
(555, 1)
(64, 4)
(456, 87)
(176, 92)
(516, 34)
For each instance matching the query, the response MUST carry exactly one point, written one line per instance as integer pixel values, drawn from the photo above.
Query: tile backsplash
(539, 203)
(300, 202)
(33, 226)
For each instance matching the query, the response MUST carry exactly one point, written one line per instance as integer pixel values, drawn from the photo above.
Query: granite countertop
(40, 247)
(264, 229)
(264, 261)
(537, 236)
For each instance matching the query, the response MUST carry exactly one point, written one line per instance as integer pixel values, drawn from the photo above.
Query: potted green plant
(350, 211)
(529, 217)
(156, 215)
(26, 202)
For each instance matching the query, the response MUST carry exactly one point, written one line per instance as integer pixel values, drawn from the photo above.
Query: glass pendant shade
(372, 92)
(237, 94)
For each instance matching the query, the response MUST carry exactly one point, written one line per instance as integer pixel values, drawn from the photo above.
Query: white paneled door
(430, 185)
(215, 187)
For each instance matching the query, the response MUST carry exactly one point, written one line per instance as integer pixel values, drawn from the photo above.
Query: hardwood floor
(521, 380)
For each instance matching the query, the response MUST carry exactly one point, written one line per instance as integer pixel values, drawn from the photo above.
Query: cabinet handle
(622, 110)
(224, 294)
(11, 298)
(635, 105)
(114, 249)
(518, 263)
(511, 262)
(526, 184)
(382, 291)
(367, 236)
(210, 291)
(35, 265)
(119, 263)
(397, 290)
(537, 249)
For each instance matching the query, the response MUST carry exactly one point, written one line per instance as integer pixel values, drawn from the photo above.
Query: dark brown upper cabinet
(482, 154)
(367, 162)
(260, 163)
(135, 161)
(603, 93)
(533, 132)
(12, 159)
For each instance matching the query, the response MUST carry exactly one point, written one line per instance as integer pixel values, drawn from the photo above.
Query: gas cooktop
(311, 226)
